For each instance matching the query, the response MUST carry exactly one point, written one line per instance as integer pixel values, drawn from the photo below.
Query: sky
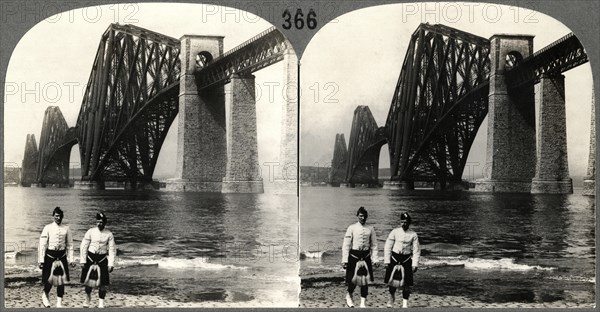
(51, 65)
(356, 60)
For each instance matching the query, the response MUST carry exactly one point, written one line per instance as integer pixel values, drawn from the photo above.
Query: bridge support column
(589, 182)
(511, 121)
(242, 173)
(201, 140)
(286, 173)
(552, 167)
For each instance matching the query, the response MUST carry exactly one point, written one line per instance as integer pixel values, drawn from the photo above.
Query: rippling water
(182, 246)
(491, 247)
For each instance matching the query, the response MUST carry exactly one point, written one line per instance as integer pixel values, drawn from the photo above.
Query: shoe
(87, 303)
(100, 303)
(45, 300)
(349, 301)
(59, 302)
(404, 303)
(390, 303)
(363, 301)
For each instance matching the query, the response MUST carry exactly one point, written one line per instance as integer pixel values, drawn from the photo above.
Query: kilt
(49, 258)
(406, 261)
(102, 261)
(353, 258)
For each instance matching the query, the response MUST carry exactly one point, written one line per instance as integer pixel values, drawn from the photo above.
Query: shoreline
(317, 292)
(331, 292)
(24, 291)
(328, 290)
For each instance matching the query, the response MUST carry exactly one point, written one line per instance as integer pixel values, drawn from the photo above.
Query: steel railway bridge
(140, 81)
(449, 82)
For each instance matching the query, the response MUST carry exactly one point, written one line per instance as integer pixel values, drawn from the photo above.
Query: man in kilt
(97, 259)
(359, 249)
(401, 248)
(55, 251)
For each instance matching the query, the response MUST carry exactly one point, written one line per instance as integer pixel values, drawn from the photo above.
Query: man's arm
(416, 253)
(43, 244)
(83, 248)
(347, 244)
(387, 249)
(112, 250)
(374, 247)
(69, 243)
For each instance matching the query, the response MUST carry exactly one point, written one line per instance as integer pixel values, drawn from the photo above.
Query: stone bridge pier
(201, 138)
(242, 174)
(218, 152)
(552, 167)
(512, 162)
(511, 142)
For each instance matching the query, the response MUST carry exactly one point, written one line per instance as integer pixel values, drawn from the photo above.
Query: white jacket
(402, 242)
(360, 237)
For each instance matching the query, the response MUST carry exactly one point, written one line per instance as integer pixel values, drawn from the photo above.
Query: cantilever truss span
(364, 145)
(440, 101)
(129, 104)
(30, 161)
(337, 174)
(55, 148)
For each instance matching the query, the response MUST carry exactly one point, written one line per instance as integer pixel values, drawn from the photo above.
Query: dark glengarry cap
(58, 211)
(363, 211)
(405, 216)
(101, 216)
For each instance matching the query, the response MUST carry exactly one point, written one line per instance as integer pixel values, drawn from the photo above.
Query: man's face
(57, 218)
(362, 218)
(404, 224)
(101, 224)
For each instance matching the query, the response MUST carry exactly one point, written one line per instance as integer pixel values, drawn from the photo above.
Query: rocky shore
(319, 292)
(25, 292)
(330, 292)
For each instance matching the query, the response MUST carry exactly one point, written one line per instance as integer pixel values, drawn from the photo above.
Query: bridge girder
(439, 103)
(556, 58)
(258, 52)
(129, 104)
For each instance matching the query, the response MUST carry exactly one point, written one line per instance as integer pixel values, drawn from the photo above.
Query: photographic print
(150, 160)
(312, 154)
(447, 160)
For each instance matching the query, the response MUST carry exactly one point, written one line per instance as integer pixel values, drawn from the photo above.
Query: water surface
(182, 246)
(489, 247)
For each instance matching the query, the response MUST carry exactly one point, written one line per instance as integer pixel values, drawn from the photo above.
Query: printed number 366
(311, 21)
